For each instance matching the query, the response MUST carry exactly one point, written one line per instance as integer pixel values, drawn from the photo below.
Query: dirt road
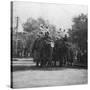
(23, 78)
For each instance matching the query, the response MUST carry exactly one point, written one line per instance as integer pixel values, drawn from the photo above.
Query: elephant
(59, 52)
(42, 51)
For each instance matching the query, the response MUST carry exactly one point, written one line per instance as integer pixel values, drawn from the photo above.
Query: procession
(49, 45)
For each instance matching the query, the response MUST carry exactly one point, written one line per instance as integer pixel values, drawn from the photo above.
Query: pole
(17, 24)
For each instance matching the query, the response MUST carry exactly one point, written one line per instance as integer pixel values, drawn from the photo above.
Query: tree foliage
(23, 41)
(79, 31)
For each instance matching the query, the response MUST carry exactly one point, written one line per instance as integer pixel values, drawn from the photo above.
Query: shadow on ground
(23, 68)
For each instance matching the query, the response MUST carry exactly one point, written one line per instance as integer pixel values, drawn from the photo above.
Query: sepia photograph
(49, 44)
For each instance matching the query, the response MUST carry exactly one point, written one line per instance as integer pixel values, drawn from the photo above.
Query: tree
(79, 31)
(30, 25)
(42, 21)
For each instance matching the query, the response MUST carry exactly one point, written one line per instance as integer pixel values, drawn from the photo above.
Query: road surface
(26, 78)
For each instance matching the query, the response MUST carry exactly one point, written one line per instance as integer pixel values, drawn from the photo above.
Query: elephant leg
(55, 63)
(48, 63)
(60, 63)
(37, 63)
(42, 63)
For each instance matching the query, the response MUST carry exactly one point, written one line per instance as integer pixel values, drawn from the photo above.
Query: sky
(58, 14)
